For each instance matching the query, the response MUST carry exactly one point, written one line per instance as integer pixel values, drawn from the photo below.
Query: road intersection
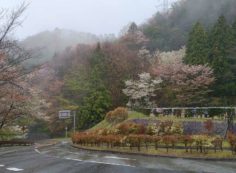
(62, 158)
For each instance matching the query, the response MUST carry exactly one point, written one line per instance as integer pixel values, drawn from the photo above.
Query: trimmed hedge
(201, 143)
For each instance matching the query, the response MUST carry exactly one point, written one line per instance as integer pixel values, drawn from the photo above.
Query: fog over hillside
(51, 42)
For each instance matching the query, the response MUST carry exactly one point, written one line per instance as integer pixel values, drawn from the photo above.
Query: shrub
(156, 140)
(123, 128)
(176, 129)
(209, 125)
(102, 131)
(118, 115)
(127, 128)
(152, 129)
(188, 142)
(134, 141)
(164, 128)
(232, 141)
(202, 142)
(218, 143)
(169, 141)
(146, 139)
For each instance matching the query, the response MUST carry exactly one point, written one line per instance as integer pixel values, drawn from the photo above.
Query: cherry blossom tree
(14, 76)
(188, 83)
(142, 91)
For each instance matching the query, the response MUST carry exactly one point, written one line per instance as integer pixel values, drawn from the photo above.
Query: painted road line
(36, 150)
(92, 155)
(2, 165)
(119, 158)
(73, 159)
(14, 169)
(107, 163)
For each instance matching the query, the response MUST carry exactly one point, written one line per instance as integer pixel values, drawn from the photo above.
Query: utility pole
(66, 128)
(74, 112)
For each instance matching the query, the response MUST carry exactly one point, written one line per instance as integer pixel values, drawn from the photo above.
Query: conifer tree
(220, 44)
(197, 48)
(220, 41)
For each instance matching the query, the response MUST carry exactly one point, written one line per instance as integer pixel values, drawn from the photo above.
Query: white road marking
(37, 151)
(2, 165)
(119, 158)
(92, 161)
(106, 163)
(15, 169)
(73, 159)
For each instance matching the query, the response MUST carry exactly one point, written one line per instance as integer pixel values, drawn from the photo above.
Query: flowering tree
(189, 84)
(170, 57)
(15, 93)
(142, 91)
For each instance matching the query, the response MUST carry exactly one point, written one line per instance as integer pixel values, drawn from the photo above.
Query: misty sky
(94, 16)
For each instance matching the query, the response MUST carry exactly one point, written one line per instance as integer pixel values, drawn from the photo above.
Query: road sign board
(64, 114)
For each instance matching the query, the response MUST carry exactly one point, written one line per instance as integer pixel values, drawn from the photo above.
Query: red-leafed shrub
(156, 140)
(146, 139)
(209, 125)
(188, 142)
(169, 141)
(134, 141)
(232, 141)
(131, 128)
(118, 115)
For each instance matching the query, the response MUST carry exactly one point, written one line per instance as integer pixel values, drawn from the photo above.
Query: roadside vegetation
(177, 58)
(126, 132)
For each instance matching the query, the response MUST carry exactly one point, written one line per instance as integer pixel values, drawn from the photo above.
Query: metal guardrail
(16, 143)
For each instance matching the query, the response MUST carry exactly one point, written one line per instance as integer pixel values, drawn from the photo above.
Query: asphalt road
(62, 158)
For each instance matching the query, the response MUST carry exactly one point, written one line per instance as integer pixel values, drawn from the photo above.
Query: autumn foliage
(118, 115)
(231, 137)
(198, 143)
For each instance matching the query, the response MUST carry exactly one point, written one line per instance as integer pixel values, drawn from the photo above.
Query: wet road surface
(62, 158)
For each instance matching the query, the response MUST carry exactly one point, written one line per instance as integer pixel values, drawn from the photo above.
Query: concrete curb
(152, 155)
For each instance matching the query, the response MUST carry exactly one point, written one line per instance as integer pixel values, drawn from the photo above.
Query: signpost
(66, 114)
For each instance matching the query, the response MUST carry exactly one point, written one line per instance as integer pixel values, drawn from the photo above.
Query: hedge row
(201, 143)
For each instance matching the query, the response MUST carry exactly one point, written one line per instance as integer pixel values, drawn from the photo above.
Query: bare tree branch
(13, 22)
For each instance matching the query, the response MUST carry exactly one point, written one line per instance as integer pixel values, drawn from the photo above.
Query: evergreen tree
(197, 48)
(96, 103)
(220, 41)
(86, 87)
(233, 51)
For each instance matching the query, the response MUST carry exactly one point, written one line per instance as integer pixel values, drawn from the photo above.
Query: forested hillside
(168, 31)
(183, 57)
(51, 42)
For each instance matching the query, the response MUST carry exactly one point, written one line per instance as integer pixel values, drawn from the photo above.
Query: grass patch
(132, 115)
(136, 115)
